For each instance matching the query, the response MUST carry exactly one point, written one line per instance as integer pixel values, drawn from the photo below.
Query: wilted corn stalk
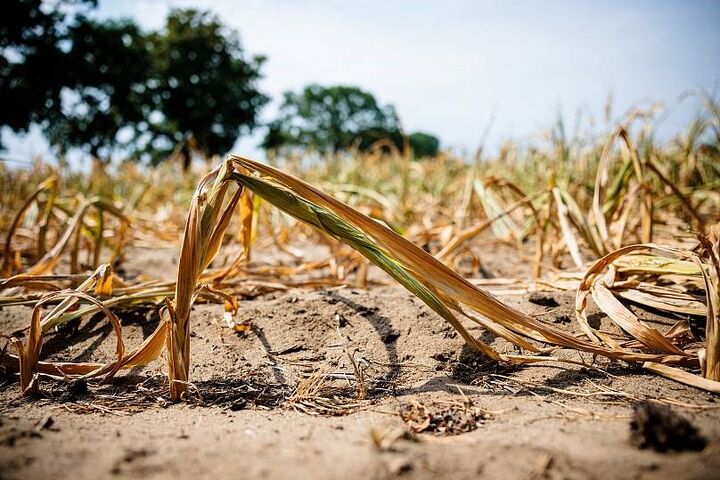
(70, 237)
(437, 285)
(710, 356)
(49, 186)
(647, 274)
(27, 361)
(204, 231)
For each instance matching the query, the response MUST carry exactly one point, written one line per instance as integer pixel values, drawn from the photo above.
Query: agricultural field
(368, 315)
(320, 240)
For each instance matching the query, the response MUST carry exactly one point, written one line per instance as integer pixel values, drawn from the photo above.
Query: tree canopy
(424, 144)
(85, 81)
(202, 89)
(33, 60)
(334, 118)
(107, 68)
(328, 118)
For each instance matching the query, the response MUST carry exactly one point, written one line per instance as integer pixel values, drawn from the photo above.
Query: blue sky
(450, 67)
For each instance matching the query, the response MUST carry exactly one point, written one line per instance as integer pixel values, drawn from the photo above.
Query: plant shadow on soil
(263, 384)
(253, 390)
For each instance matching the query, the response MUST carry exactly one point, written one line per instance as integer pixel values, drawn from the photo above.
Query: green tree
(75, 77)
(330, 119)
(424, 144)
(108, 64)
(33, 54)
(202, 88)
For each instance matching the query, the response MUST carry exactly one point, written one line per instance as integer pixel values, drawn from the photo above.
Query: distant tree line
(339, 118)
(188, 88)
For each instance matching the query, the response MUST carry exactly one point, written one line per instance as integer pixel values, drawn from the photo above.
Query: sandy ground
(246, 420)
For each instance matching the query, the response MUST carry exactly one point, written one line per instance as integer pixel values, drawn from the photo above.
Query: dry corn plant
(671, 280)
(27, 362)
(620, 212)
(74, 226)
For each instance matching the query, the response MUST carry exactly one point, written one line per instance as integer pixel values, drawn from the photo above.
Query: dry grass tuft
(318, 394)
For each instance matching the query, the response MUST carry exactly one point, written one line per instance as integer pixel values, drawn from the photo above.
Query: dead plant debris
(444, 418)
(615, 247)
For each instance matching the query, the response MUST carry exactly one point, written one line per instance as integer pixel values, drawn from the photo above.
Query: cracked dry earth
(245, 418)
